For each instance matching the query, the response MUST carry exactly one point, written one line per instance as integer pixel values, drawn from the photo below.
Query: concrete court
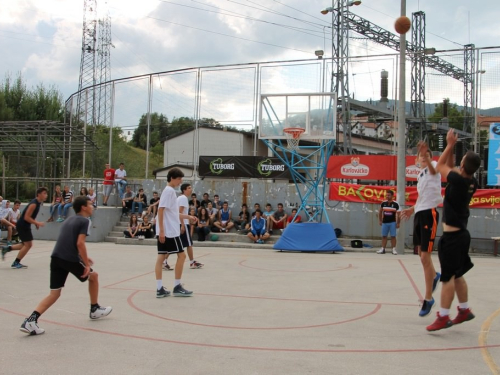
(253, 312)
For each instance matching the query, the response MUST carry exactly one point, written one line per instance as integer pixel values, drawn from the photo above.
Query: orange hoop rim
(294, 132)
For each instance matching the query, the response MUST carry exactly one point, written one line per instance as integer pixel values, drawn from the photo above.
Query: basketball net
(293, 137)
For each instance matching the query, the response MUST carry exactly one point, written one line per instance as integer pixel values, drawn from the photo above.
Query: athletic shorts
(106, 191)
(389, 228)
(453, 251)
(172, 245)
(425, 229)
(255, 233)
(186, 237)
(60, 269)
(25, 235)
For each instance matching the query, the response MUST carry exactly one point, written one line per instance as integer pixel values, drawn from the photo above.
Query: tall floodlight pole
(401, 157)
(104, 94)
(340, 63)
(88, 61)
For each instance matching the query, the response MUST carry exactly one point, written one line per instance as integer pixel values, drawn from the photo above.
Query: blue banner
(494, 156)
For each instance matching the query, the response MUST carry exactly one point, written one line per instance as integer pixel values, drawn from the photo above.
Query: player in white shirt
(121, 179)
(426, 220)
(168, 232)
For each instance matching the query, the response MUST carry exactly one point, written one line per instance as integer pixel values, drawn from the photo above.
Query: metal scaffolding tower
(104, 65)
(470, 67)
(418, 66)
(86, 98)
(340, 68)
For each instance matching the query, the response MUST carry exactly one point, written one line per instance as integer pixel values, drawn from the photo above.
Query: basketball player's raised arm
(445, 162)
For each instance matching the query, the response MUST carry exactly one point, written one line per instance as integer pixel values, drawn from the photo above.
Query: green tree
(455, 116)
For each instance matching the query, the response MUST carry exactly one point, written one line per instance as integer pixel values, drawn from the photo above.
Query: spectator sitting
(203, 227)
(67, 203)
(4, 220)
(225, 223)
(206, 200)
(243, 221)
(217, 203)
(139, 202)
(13, 217)
(266, 215)
(192, 223)
(153, 204)
(277, 220)
(93, 197)
(145, 229)
(133, 227)
(194, 203)
(83, 191)
(256, 207)
(212, 213)
(294, 219)
(56, 202)
(258, 233)
(127, 200)
(121, 179)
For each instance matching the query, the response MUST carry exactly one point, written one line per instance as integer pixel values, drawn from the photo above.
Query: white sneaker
(31, 328)
(101, 312)
(141, 237)
(394, 252)
(381, 251)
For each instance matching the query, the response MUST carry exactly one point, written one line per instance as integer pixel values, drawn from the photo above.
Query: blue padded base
(308, 237)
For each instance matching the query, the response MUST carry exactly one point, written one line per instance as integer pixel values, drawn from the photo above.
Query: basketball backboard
(316, 113)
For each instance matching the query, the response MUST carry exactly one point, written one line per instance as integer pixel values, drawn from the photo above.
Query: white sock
(159, 284)
(463, 305)
(192, 261)
(444, 312)
(177, 282)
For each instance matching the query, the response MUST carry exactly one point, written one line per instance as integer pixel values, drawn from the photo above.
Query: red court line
(144, 274)
(283, 299)
(294, 350)
(134, 306)
(415, 288)
(301, 271)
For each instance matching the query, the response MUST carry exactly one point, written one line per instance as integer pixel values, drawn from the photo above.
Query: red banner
(483, 198)
(370, 167)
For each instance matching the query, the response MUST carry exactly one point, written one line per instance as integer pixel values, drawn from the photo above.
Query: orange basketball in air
(402, 25)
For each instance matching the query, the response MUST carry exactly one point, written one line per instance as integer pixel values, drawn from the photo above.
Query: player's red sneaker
(463, 315)
(440, 323)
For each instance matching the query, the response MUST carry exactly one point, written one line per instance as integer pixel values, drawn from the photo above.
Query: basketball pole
(401, 150)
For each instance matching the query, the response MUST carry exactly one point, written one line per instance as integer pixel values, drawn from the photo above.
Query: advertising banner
(484, 198)
(370, 167)
(494, 156)
(242, 167)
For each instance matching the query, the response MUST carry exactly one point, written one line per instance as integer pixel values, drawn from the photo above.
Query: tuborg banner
(243, 167)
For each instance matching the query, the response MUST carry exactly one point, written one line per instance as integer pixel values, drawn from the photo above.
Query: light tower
(86, 99)
(104, 65)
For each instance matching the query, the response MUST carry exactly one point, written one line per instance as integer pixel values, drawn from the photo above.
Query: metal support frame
(340, 68)
(104, 64)
(308, 171)
(418, 66)
(88, 62)
(470, 68)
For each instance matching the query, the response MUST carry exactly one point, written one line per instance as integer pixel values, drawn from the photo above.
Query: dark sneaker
(31, 328)
(18, 265)
(5, 250)
(464, 315)
(179, 291)
(441, 322)
(270, 232)
(167, 267)
(435, 282)
(100, 312)
(196, 264)
(426, 308)
(161, 293)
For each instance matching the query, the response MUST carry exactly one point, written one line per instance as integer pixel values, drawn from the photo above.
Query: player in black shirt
(453, 247)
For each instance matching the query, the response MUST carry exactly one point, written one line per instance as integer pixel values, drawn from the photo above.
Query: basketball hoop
(293, 137)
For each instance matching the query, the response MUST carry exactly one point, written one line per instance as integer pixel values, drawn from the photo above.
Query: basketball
(214, 237)
(402, 25)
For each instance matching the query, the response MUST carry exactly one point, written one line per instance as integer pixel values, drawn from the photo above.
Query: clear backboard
(316, 113)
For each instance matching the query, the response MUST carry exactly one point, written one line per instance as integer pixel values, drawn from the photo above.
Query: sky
(42, 38)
